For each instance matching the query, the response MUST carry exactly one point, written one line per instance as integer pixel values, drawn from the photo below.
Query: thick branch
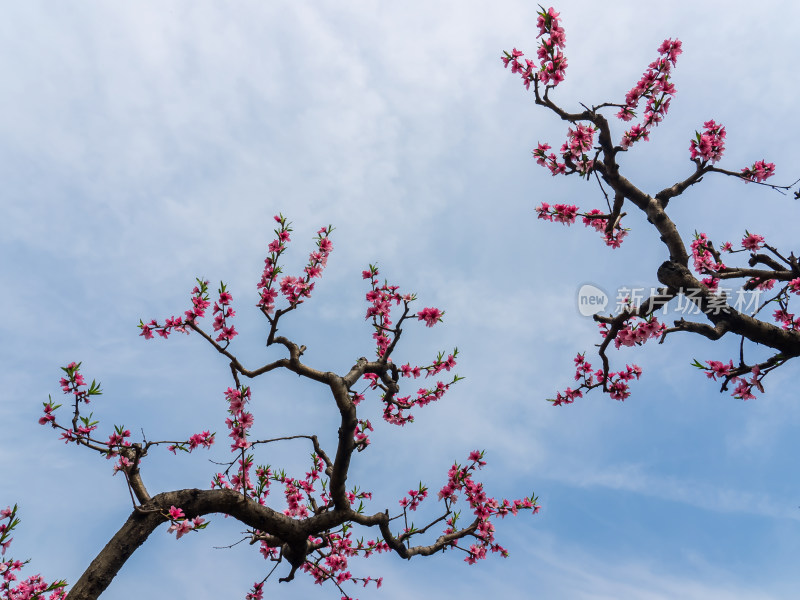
(735, 273)
(346, 445)
(704, 329)
(678, 278)
(664, 195)
(143, 521)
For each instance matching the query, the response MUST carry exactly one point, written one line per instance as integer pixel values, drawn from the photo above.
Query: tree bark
(145, 519)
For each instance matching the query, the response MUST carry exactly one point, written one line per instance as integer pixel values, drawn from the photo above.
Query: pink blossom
(205, 439)
(752, 242)
(718, 369)
(257, 593)
(565, 213)
(180, 528)
(407, 370)
(759, 172)
(549, 52)
(704, 261)
(743, 390)
(48, 417)
(431, 316)
(654, 86)
(785, 318)
(709, 145)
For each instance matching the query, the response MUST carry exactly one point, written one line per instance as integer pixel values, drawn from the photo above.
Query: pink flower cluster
(381, 299)
(554, 63)
(332, 565)
(48, 417)
(549, 160)
(717, 369)
(31, 588)
(558, 213)
(484, 508)
(181, 525)
(118, 440)
(708, 146)
(360, 436)
(579, 141)
(439, 365)
(635, 335)
(760, 284)
(257, 592)
(431, 316)
(759, 171)
(339, 545)
(394, 407)
(6, 528)
(393, 411)
(656, 89)
(782, 315)
(294, 289)
(200, 303)
(567, 213)
(527, 71)
(295, 491)
(222, 311)
(613, 239)
(242, 482)
(744, 387)
(298, 492)
(705, 263)
(752, 241)
(204, 439)
(240, 420)
(74, 384)
(549, 52)
(617, 382)
(414, 498)
(787, 320)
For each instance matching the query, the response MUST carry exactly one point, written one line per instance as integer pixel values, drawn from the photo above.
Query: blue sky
(142, 145)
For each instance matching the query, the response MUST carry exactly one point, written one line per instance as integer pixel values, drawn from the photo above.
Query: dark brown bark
(144, 520)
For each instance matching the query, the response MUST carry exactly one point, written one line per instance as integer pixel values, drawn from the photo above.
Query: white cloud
(638, 479)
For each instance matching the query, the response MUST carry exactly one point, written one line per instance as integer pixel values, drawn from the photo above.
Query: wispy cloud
(635, 478)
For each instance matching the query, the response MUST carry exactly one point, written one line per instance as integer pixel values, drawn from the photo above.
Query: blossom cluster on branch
(314, 532)
(767, 268)
(34, 587)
